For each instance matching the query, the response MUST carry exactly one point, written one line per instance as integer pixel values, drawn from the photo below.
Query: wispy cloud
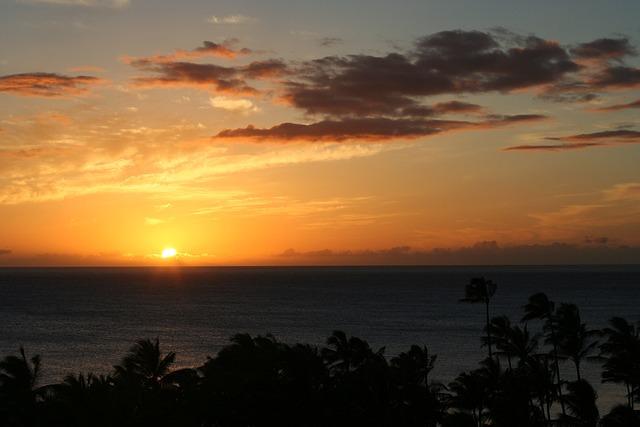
(583, 140)
(86, 3)
(123, 157)
(225, 49)
(231, 19)
(366, 129)
(618, 107)
(610, 207)
(47, 84)
(153, 221)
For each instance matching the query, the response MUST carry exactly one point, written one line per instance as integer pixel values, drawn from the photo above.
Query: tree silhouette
(576, 341)
(580, 401)
(621, 352)
(480, 290)
(540, 307)
(260, 381)
(19, 393)
(500, 329)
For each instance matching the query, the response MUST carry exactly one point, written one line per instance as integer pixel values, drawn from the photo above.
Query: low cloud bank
(594, 251)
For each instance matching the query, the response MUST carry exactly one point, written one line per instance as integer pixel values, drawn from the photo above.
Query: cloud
(5, 252)
(207, 76)
(622, 192)
(604, 48)
(226, 49)
(232, 104)
(47, 84)
(481, 253)
(153, 221)
(618, 107)
(231, 19)
(42, 159)
(617, 77)
(87, 3)
(330, 41)
(608, 135)
(584, 140)
(211, 77)
(448, 62)
(365, 129)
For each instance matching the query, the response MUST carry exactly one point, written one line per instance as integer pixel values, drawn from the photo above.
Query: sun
(169, 252)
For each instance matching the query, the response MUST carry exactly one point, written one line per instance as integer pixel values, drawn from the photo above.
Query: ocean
(85, 319)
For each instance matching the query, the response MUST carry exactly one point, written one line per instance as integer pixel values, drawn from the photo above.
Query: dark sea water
(84, 319)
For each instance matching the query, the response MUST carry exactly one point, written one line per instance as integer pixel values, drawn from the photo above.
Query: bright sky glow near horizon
(303, 132)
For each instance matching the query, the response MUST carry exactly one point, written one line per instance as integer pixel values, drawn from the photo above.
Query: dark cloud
(617, 107)
(47, 84)
(618, 77)
(449, 62)
(380, 97)
(441, 108)
(267, 69)
(174, 70)
(596, 240)
(366, 129)
(5, 251)
(583, 140)
(224, 49)
(604, 48)
(482, 253)
(177, 74)
(607, 135)
(227, 79)
(553, 147)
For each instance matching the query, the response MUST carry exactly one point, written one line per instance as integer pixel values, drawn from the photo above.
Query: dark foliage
(260, 381)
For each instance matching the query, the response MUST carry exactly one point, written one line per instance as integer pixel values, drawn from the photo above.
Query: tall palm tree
(540, 307)
(540, 376)
(500, 329)
(480, 290)
(621, 352)
(576, 341)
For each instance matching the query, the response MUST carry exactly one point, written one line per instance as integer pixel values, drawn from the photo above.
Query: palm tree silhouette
(576, 342)
(499, 329)
(347, 354)
(19, 393)
(522, 344)
(542, 308)
(146, 363)
(621, 352)
(541, 378)
(621, 416)
(470, 394)
(481, 290)
(581, 404)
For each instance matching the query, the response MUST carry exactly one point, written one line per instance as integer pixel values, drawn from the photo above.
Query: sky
(305, 132)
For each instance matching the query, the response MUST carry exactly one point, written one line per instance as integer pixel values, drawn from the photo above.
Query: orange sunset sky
(294, 132)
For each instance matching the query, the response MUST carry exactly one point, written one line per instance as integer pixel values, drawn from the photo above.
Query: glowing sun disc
(169, 252)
